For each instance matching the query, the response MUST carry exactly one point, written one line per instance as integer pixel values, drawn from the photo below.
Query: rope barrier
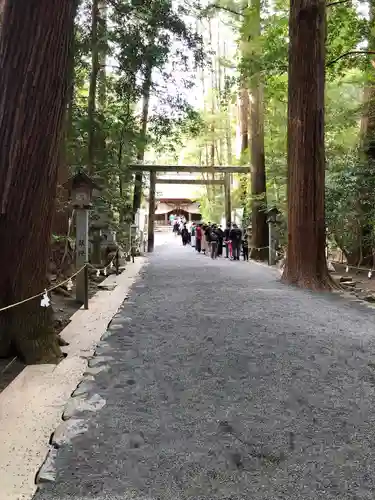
(8, 365)
(103, 269)
(347, 268)
(44, 291)
(263, 248)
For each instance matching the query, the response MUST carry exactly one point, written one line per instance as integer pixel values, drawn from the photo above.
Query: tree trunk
(244, 108)
(306, 264)
(259, 225)
(91, 104)
(34, 58)
(214, 91)
(60, 224)
(146, 90)
(102, 55)
(244, 104)
(259, 250)
(100, 153)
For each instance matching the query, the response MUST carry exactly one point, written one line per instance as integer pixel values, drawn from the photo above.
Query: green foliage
(133, 37)
(156, 34)
(211, 208)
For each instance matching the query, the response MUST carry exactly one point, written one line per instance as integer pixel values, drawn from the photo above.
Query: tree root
(316, 283)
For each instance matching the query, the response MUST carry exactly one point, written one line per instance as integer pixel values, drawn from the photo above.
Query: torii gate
(154, 169)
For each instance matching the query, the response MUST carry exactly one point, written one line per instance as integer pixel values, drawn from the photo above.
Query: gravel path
(225, 384)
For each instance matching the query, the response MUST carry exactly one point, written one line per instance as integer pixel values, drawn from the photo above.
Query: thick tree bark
(306, 264)
(60, 224)
(34, 57)
(146, 90)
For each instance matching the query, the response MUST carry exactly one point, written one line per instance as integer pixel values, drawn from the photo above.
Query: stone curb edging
(32, 406)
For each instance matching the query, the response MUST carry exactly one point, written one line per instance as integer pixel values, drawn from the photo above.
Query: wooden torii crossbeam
(154, 169)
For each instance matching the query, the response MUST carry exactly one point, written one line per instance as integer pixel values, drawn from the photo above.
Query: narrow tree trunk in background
(103, 49)
(244, 109)
(306, 264)
(37, 35)
(219, 80)
(213, 109)
(259, 250)
(228, 124)
(100, 153)
(146, 90)
(364, 118)
(91, 104)
(206, 160)
(244, 103)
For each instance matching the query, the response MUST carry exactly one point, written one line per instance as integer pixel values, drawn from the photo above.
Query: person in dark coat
(207, 233)
(245, 246)
(214, 239)
(226, 238)
(220, 240)
(235, 236)
(198, 238)
(185, 235)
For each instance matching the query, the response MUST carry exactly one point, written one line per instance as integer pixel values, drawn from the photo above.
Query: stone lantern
(272, 215)
(81, 190)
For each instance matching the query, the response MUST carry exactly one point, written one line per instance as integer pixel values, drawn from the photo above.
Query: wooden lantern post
(82, 186)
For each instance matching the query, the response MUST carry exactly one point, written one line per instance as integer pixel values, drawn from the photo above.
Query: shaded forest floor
(64, 307)
(361, 285)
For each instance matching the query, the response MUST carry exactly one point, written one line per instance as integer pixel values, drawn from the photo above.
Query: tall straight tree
(146, 94)
(306, 264)
(259, 249)
(92, 97)
(34, 59)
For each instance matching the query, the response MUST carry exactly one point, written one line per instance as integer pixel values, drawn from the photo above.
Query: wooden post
(82, 250)
(117, 262)
(228, 204)
(151, 212)
(86, 282)
(271, 244)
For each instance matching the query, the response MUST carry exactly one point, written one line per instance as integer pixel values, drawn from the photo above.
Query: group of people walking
(183, 229)
(211, 239)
